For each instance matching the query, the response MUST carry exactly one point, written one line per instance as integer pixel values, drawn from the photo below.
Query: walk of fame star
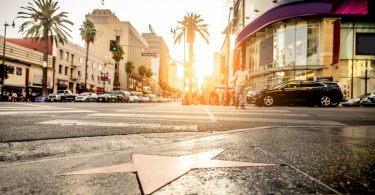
(155, 172)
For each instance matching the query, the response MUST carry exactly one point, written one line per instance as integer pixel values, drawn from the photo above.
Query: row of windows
(71, 57)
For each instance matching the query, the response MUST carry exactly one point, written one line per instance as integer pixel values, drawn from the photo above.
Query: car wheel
(268, 100)
(325, 101)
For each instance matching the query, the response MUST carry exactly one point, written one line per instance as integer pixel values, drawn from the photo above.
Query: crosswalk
(157, 118)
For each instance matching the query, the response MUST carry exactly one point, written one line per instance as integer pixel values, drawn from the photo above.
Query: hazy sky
(161, 14)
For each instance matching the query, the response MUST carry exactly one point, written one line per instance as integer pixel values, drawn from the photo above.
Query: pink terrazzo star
(155, 172)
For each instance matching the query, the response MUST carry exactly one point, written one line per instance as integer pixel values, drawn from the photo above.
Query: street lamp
(227, 68)
(5, 35)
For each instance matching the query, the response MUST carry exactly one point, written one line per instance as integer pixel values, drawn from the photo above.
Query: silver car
(86, 97)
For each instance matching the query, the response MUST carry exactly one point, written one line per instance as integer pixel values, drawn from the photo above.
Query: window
(72, 58)
(60, 69)
(92, 77)
(80, 59)
(93, 65)
(61, 54)
(66, 70)
(19, 71)
(79, 73)
(67, 56)
(99, 67)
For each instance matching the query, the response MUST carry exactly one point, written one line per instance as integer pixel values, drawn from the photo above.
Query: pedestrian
(33, 95)
(241, 78)
(14, 97)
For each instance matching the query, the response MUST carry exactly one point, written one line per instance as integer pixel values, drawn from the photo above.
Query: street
(58, 148)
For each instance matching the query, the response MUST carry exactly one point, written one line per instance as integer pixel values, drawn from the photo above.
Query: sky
(161, 14)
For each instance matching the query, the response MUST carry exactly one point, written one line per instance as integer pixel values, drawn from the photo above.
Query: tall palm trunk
(87, 59)
(45, 63)
(191, 56)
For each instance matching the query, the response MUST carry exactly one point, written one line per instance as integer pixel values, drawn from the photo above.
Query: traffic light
(222, 64)
(113, 45)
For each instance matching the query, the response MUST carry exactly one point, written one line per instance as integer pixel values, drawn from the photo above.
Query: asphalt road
(317, 150)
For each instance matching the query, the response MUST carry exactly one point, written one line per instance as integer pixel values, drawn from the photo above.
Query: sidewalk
(304, 160)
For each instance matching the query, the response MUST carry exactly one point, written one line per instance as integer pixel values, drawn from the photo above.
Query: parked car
(368, 101)
(340, 87)
(43, 98)
(122, 96)
(107, 97)
(145, 99)
(297, 92)
(355, 101)
(86, 97)
(133, 98)
(249, 100)
(155, 99)
(62, 96)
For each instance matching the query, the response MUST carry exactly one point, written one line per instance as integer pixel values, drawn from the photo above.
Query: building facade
(65, 68)
(109, 27)
(304, 40)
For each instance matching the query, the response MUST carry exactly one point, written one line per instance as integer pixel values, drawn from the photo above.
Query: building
(65, 68)
(291, 39)
(109, 27)
(172, 75)
(157, 45)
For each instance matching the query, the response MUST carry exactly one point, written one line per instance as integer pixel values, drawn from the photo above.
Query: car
(368, 101)
(145, 99)
(86, 97)
(354, 101)
(340, 87)
(249, 100)
(298, 92)
(43, 98)
(122, 96)
(155, 99)
(106, 97)
(133, 98)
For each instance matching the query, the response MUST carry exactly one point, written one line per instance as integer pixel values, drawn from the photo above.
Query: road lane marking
(200, 118)
(139, 125)
(212, 117)
(46, 111)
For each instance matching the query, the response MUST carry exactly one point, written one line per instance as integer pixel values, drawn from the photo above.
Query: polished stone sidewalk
(315, 160)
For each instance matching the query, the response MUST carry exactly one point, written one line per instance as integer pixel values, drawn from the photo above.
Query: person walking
(241, 77)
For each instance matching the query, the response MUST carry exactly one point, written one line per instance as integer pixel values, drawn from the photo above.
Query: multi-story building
(157, 45)
(66, 67)
(109, 27)
(172, 75)
(24, 68)
(292, 39)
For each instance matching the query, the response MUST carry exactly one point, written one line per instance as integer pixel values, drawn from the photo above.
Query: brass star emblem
(155, 172)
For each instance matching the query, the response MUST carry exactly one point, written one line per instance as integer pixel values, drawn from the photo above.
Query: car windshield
(278, 86)
(84, 94)
(58, 92)
(117, 93)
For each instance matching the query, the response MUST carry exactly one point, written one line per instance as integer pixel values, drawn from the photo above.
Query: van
(122, 96)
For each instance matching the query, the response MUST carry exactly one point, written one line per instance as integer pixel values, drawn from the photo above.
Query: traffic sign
(148, 54)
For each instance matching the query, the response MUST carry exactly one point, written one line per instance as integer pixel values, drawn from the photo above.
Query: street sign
(148, 54)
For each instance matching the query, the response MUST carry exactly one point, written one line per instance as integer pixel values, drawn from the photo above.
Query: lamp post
(227, 68)
(3, 64)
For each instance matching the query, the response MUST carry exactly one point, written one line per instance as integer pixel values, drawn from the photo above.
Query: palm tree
(88, 33)
(117, 56)
(129, 67)
(142, 71)
(191, 25)
(45, 24)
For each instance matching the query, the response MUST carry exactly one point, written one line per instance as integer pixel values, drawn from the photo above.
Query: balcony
(75, 77)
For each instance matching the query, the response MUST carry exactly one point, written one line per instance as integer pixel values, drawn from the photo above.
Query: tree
(190, 25)
(88, 33)
(45, 24)
(117, 56)
(129, 67)
(142, 71)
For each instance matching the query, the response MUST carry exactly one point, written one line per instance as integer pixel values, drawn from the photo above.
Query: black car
(297, 92)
